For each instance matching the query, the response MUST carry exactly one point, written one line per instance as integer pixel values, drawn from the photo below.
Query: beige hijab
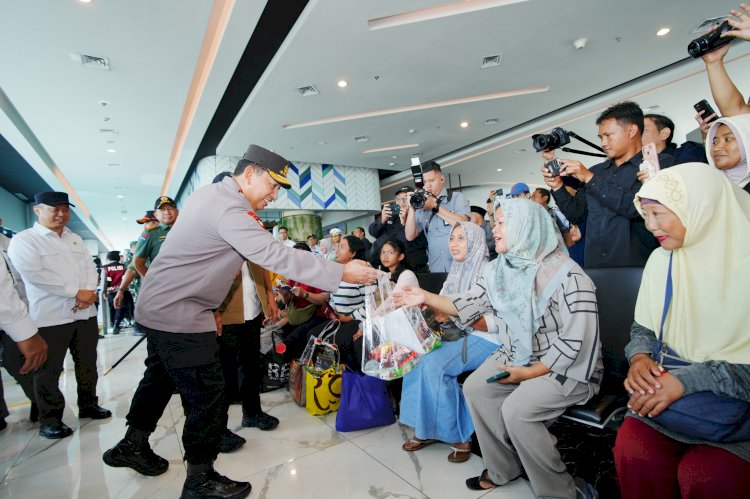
(709, 317)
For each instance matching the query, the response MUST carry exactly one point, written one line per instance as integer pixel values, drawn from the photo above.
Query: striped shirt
(349, 299)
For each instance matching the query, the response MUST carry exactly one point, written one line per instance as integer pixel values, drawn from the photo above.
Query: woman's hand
(653, 404)
(409, 297)
(642, 375)
(742, 26)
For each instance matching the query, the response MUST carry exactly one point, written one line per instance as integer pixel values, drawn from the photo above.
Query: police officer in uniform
(218, 230)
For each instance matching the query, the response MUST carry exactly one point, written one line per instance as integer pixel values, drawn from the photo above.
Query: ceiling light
(124, 219)
(499, 169)
(663, 31)
(120, 196)
(411, 130)
(342, 83)
(111, 150)
(464, 124)
(85, 1)
(391, 164)
(390, 148)
(419, 107)
(321, 142)
(446, 10)
(394, 157)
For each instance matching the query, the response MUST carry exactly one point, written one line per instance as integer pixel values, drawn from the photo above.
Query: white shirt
(54, 268)
(14, 317)
(288, 242)
(250, 299)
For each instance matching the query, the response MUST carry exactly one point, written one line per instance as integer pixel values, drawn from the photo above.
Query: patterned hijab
(525, 277)
(709, 316)
(464, 274)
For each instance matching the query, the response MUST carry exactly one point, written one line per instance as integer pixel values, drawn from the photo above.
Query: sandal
(460, 454)
(415, 443)
(475, 483)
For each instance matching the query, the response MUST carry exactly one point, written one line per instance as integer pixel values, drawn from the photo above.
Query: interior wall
(15, 213)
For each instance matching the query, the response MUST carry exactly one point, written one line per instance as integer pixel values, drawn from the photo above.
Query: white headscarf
(709, 315)
(740, 126)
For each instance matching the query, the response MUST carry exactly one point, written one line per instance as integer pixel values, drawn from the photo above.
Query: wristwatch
(437, 206)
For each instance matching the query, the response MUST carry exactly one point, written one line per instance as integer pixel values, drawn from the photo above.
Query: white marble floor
(305, 457)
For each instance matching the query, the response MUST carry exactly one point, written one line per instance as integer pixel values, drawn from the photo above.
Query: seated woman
(727, 145)
(545, 309)
(307, 307)
(431, 398)
(348, 302)
(702, 223)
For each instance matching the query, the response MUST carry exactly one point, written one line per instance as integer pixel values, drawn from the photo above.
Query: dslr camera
(554, 166)
(419, 196)
(710, 41)
(549, 141)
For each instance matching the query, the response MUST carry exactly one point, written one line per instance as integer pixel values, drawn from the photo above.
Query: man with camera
(616, 235)
(435, 211)
(391, 225)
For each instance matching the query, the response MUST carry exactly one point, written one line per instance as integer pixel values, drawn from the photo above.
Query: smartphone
(650, 160)
(498, 376)
(706, 108)
(554, 166)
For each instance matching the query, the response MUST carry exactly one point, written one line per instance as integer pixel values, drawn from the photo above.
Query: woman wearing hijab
(545, 307)
(702, 222)
(431, 400)
(727, 144)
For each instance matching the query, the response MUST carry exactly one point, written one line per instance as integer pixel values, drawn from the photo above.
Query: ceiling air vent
(491, 61)
(361, 138)
(91, 61)
(108, 131)
(491, 121)
(307, 91)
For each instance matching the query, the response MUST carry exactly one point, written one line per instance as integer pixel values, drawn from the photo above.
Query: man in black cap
(60, 280)
(218, 230)
(391, 225)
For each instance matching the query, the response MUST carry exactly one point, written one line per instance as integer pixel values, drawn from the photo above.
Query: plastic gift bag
(393, 338)
(364, 403)
(321, 352)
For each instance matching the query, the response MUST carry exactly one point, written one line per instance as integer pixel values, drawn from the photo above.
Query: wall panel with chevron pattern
(315, 186)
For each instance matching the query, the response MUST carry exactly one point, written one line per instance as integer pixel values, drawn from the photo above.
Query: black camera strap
(432, 215)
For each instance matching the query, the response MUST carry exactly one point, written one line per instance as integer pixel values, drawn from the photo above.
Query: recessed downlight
(342, 83)
(120, 196)
(663, 31)
(112, 150)
(499, 169)
(464, 124)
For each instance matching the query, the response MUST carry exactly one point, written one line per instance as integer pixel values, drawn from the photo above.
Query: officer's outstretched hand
(359, 272)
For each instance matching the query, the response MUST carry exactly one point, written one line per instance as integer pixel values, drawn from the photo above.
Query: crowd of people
(520, 311)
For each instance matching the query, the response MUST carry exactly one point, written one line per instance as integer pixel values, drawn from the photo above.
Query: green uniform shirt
(150, 243)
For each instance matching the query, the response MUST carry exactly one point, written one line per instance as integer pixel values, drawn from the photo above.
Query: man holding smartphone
(659, 130)
(391, 225)
(616, 235)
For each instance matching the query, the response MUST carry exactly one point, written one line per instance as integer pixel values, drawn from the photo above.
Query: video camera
(710, 41)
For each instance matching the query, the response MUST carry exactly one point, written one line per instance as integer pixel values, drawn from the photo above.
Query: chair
(616, 293)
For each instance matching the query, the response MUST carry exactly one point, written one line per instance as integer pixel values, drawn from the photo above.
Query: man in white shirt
(60, 279)
(284, 236)
(23, 348)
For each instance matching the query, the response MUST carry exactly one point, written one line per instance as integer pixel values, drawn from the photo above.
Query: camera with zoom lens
(710, 41)
(549, 141)
(418, 199)
(554, 166)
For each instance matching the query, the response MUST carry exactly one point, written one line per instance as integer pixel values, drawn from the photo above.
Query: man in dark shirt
(659, 129)
(112, 274)
(390, 225)
(615, 234)
(359, 233)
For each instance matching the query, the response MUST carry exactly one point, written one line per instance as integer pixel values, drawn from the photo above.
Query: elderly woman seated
(689, 379)
(431, 400)
(551, 356)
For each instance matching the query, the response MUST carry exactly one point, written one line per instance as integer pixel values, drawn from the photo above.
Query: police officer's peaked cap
(277, 166)
(162, 200)
(52, 198)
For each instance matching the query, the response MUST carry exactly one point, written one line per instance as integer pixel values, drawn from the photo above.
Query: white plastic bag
(393, 338)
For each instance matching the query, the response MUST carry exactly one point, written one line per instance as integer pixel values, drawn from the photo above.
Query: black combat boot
(134, 452)
(204, 482)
